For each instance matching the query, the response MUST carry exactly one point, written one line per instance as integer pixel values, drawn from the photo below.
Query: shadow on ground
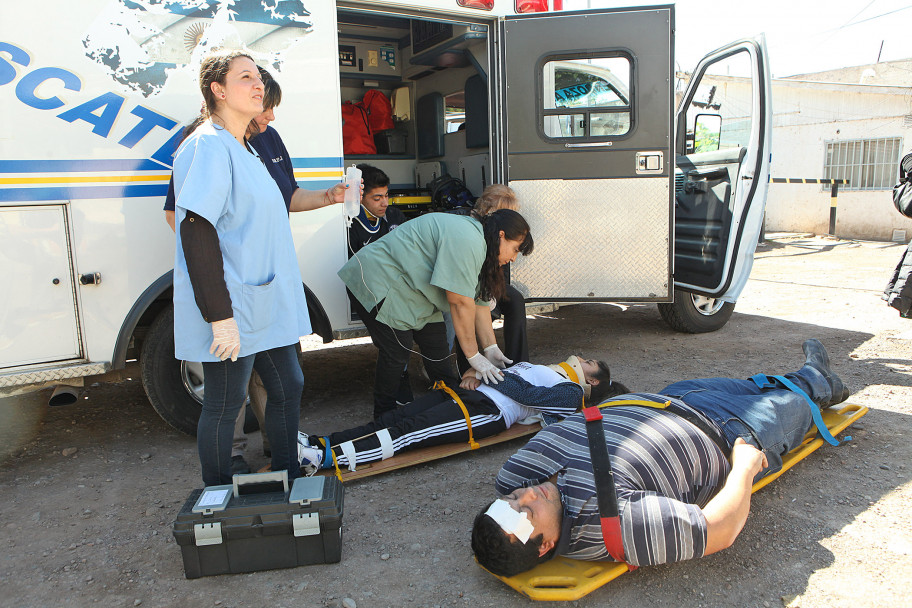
(95, 525)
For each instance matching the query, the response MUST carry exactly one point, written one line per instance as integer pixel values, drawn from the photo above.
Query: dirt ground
(87, 505)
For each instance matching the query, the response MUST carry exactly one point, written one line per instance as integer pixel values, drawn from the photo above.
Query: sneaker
(311, 459)
(239, 466)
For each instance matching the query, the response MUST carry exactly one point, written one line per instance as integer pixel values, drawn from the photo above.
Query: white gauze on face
(510, 520)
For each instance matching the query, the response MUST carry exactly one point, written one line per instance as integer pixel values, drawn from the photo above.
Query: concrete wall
(806, 116)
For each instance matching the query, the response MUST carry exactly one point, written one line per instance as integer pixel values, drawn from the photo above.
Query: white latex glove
(495, 355)
(226, 339)
(484, 369)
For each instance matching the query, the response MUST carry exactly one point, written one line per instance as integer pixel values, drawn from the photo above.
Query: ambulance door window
(586, 98)
(719, 115)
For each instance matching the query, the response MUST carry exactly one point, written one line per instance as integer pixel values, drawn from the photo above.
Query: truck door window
(719, 115)
(586, 98)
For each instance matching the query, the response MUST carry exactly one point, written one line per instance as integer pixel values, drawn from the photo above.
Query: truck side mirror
(707, 135)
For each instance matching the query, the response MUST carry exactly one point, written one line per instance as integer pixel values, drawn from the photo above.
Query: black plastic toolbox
(258, 524)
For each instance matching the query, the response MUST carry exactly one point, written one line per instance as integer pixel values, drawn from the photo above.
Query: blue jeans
(226, 389)
(774, 420)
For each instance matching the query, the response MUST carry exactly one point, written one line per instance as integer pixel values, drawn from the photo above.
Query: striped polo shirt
(665, 470)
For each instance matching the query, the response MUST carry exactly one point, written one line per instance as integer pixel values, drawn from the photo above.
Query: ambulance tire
(175, 388)
(694, 314)
(162, 376)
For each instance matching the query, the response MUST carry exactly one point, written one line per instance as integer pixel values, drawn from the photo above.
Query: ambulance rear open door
(588, 146)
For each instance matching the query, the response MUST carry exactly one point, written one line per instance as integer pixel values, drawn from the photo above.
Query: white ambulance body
(574, 110)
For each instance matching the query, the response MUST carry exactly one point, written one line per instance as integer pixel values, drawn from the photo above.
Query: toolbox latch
(208, 533)
(212, 499)
(306, 490)
(306, 524)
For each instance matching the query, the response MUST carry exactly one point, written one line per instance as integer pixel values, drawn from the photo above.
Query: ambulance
(641, 183)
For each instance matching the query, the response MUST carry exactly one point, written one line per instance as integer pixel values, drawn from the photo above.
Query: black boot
(818, 358)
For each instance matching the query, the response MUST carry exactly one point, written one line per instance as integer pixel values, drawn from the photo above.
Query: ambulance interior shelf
(439, 69)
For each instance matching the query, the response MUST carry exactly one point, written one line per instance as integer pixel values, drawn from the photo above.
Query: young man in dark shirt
(473, 410)
(376, 217)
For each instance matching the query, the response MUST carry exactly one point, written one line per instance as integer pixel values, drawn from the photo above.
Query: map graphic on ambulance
(141, 42)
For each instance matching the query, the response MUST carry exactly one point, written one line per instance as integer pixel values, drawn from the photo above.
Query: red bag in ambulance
(356, 132)
(379, 111)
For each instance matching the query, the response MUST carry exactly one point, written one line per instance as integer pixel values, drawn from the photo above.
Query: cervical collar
(577, 374)
(368, 221)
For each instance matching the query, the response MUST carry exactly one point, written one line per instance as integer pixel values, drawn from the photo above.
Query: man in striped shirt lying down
(678, 494)
(527, 391)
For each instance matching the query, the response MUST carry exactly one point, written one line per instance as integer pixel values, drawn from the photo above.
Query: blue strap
(815, 410)
(327, 453)
(762, 381)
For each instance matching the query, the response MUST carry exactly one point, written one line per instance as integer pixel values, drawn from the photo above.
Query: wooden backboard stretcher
(422, 455)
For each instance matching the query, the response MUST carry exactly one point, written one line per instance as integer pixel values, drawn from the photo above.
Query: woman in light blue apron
(239, 302)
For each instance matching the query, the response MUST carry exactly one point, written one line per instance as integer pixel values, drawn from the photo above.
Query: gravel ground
(87, 503)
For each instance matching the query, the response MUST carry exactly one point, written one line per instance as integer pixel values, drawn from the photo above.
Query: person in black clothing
(898, 293)
(528, 392)
(375, 219)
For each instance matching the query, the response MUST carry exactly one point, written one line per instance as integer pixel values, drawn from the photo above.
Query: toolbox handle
(266, 480)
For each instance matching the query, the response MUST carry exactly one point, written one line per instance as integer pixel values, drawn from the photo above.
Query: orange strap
(643, 402)
(440, 386)
(335, 462)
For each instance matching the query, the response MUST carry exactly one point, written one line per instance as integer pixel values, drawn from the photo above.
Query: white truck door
(723, 133)
(38, 308)
(587, 103)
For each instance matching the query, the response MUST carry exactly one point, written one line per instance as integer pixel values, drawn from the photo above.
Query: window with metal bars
(868, 164)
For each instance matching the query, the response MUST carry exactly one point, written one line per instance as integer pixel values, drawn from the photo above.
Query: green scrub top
(411, 269)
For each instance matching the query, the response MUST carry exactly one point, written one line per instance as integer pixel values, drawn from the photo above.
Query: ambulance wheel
(694, 314)
(175, 388)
